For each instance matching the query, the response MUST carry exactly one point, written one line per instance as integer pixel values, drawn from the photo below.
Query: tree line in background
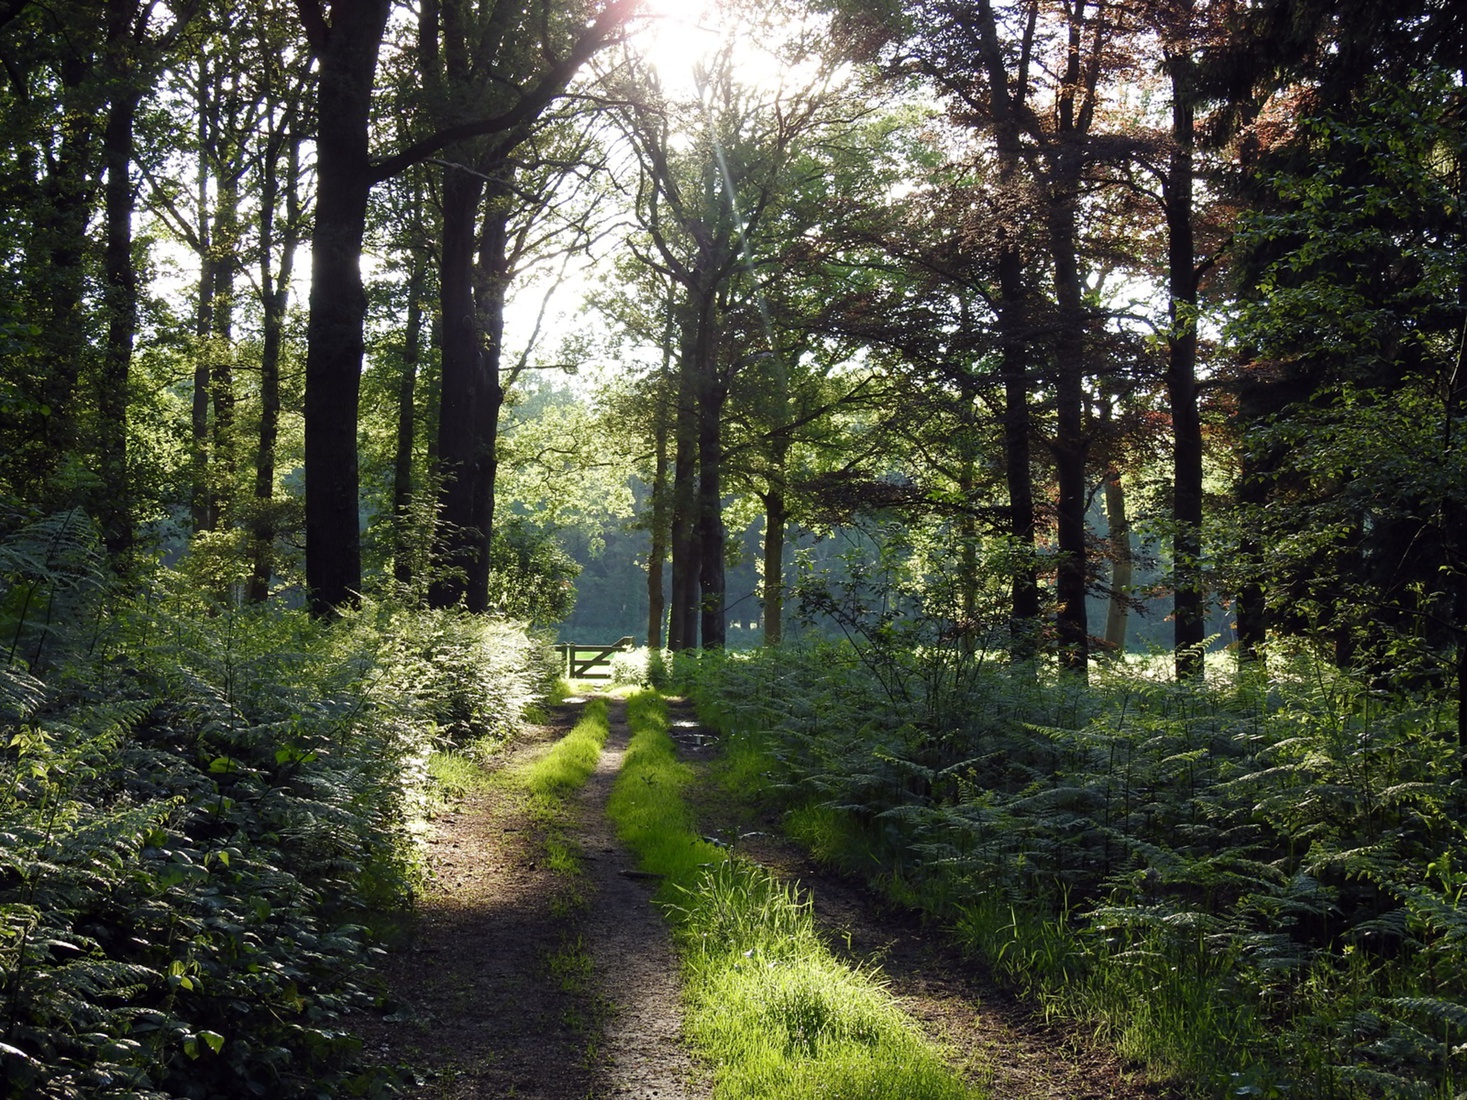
(952, 270)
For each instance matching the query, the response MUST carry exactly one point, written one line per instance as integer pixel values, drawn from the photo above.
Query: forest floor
(519, 980)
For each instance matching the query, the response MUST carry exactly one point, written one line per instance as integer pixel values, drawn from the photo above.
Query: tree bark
(776, 517)
(200, 508)
(119, 291)
(347, 52)
(1118, 612)
(461, 355)
(403, 540)
(221, 348)
(1189, 609)
(275, 297)
(492, 279)
(657, 551)
(712, 573)
(1070, 444)
(55, 189)
(683, 625)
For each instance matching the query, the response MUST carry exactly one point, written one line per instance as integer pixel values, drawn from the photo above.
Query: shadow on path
(518, 982)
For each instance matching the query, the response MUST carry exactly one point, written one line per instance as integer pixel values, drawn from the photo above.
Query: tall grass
(1256, 887)
(769, 1007)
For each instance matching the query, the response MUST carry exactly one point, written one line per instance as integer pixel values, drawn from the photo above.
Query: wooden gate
(580, 661)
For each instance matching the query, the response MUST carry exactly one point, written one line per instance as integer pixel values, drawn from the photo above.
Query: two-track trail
(519, 981)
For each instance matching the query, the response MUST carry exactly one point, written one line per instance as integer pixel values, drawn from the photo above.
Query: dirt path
(518, 982)
(644, 1058)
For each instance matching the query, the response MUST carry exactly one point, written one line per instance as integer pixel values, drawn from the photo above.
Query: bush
(202, 811)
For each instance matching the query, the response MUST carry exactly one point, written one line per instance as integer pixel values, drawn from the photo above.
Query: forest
(1029, 429)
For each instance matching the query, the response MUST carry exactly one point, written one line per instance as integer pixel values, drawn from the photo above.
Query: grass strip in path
(769, 1007)
(556, 776)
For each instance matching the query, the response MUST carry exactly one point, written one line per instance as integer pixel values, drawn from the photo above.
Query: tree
(1354, 323)
(717, 171)
(346, 38)
(1030, 76)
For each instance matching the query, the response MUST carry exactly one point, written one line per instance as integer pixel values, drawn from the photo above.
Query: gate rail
(579, 660)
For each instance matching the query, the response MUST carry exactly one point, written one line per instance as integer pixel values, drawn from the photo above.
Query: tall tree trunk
(1190, 614)
(119, 290)
(1070, 443)
(491, 289)
(201, 501)
(683, 624)
(776, 518)
(56, 274)
(1005, 98)
(657, 552)
(461, 355)
(221, 347)
(1255, 474)
(967, 612)
(275, 296)
(712, 573)
(1118, 612)
(403, 528)
(347, 52)
(1071, 446)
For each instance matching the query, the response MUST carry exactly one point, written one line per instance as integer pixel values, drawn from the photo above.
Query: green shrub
(203, 809)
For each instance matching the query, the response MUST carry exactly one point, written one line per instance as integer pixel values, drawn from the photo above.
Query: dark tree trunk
(1189, 616)
(683, 624)
(200, 507)
(1071, 445)
(657, 552)
(967, 524)
(1070, 442)
(275, 296)
(1254, 479)
(69, 200)
(710, 531)
(347, 53)
(1005, 98)
(1118, 612)
(404, 541)
(55, 284)
(776, 517)
(201, 510)
(492, 279)
(120, 295)
(461, 355)
(221, 349)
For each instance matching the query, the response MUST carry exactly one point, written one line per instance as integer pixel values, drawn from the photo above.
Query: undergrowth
(1258, 888)
(204, 814)
(775, 1014)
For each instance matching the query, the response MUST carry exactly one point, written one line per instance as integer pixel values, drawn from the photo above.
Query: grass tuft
(768, 1005)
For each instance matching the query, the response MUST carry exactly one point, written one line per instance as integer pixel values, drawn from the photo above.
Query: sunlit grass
(769, 1008)
(572, 759)
(455, 775)
(552, 778)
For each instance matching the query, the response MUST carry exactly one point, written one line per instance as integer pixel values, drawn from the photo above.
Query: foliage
(203, 810)
(1249, 886)
(532, 577)
(1352, 398)
(769, 1006)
